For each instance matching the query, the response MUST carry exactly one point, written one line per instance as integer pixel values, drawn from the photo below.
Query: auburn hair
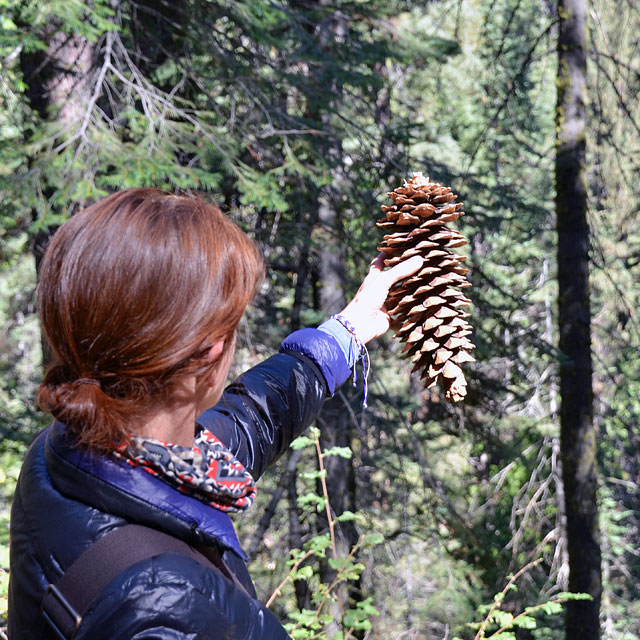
(133, 292)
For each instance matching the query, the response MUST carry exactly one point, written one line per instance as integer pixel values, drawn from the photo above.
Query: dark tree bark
(578, 437)
(284, 482)
(330, 253)
(334, 420)
(58, 89)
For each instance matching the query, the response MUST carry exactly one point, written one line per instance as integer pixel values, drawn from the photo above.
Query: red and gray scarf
(208, 471)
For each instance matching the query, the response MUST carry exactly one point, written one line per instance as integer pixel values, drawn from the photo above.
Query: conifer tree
(578, 435)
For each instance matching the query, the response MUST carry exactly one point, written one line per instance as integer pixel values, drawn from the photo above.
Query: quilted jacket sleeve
(268, 406)
(174, 598)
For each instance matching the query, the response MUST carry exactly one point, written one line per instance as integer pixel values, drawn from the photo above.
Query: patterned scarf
(208, 472)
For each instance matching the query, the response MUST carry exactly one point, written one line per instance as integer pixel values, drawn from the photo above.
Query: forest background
(297, 116)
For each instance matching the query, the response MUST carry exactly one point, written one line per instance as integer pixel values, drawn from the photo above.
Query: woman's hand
(366, 312)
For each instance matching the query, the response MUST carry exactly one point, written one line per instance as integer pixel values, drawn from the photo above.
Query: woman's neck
(175, 425)
(175, 422)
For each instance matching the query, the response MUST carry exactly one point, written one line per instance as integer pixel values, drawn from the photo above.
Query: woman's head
(133, 293)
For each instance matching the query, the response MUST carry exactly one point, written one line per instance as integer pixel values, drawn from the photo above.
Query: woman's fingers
(367, 312)
(403, 270)
(400, 271)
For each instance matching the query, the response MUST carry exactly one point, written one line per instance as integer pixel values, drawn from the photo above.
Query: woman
(140, 296)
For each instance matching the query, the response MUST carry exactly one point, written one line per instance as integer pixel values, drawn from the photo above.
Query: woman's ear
(216, 351)
(211, 378)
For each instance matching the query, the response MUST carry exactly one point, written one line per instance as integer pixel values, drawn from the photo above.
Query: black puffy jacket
(67, 498)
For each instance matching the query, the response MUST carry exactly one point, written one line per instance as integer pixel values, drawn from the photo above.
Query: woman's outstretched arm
(269, 405)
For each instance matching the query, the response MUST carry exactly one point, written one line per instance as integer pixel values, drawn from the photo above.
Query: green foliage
(10, 460)
(501, 624)
(20, 354)
(315, 623)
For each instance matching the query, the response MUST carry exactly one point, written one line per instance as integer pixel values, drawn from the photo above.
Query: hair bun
(85, 408)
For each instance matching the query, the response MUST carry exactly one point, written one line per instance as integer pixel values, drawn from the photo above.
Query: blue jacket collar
(130, 492)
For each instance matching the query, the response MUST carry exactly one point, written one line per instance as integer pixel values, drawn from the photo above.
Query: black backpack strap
(66, 602)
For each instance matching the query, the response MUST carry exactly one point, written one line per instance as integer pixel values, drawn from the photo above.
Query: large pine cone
(427, 307)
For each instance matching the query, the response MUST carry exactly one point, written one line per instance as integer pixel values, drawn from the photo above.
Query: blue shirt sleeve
(347, 344)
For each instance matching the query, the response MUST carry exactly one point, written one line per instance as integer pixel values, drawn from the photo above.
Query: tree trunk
(334, 420)
(58, 88)
(578, 437)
